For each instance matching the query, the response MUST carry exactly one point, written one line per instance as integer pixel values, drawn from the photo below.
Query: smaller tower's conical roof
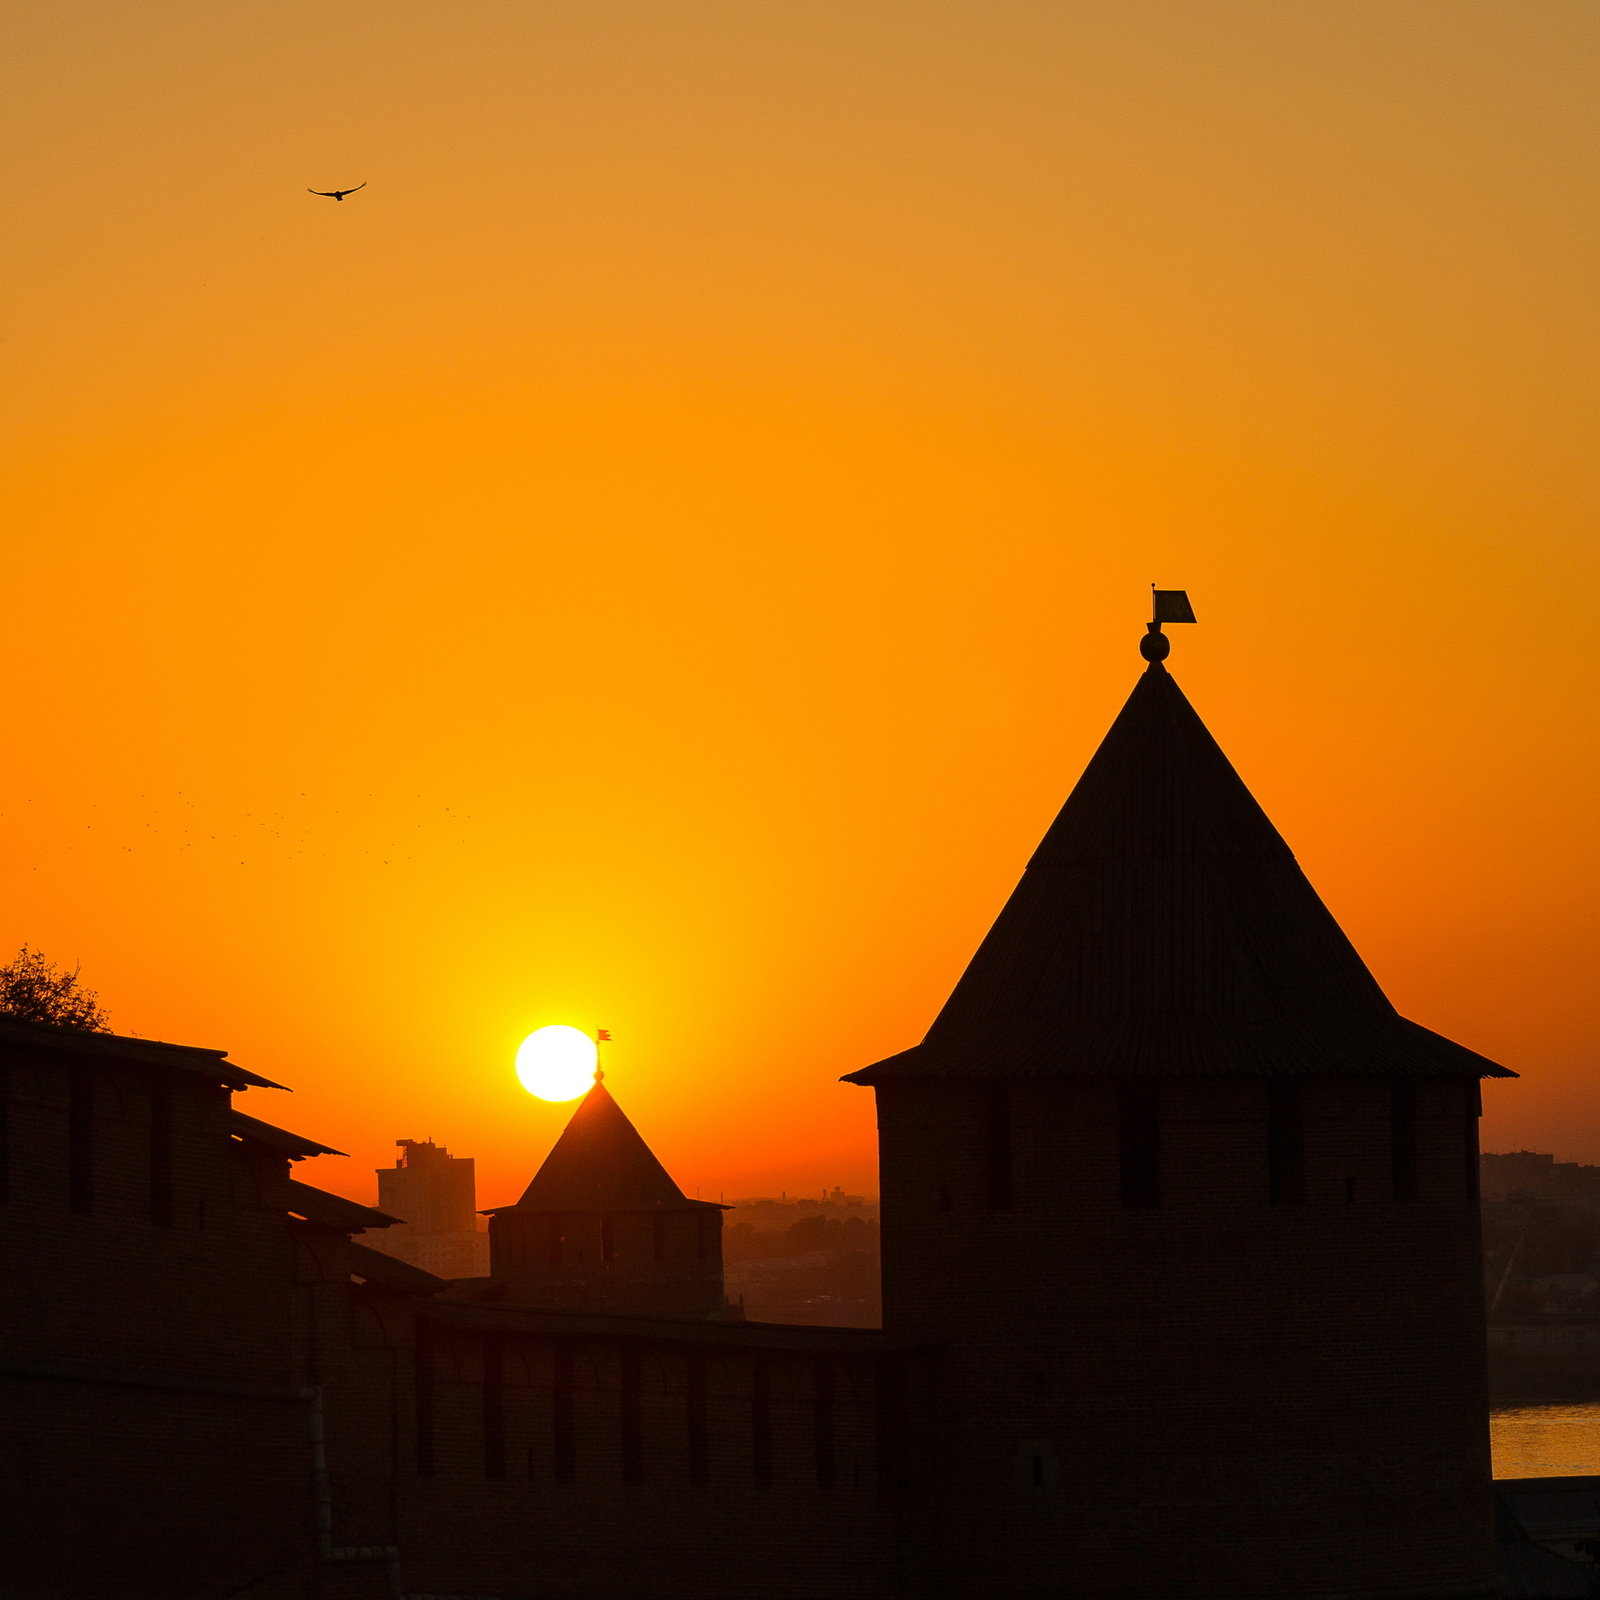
(600, 1161)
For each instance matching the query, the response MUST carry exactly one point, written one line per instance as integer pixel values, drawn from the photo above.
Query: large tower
(602, 1227)
(1193, 1210)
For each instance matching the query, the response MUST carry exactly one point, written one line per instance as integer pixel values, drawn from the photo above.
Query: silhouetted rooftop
(116, 1048)
(334, 1211)
(1163, 926)
(279, 1140)
(601, 1163)
(390, 1272)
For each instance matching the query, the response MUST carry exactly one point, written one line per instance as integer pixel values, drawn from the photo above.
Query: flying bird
(335, 194)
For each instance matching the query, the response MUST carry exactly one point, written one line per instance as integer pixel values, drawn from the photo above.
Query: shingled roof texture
(1163, 926)
(600, 1161)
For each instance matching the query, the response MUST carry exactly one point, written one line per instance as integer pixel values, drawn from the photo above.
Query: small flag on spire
(1171, 605)
(602, 1036)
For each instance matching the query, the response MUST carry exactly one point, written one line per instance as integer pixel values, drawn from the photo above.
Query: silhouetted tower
(603, 1227)
(1195, 1213)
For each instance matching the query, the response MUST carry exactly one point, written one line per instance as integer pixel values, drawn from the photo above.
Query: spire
(600, 1160)
(1163, 926)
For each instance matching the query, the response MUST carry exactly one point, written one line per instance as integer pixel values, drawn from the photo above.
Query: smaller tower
(603, 1227)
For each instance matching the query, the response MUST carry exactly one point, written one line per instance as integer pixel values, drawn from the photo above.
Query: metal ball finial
(1155, 645)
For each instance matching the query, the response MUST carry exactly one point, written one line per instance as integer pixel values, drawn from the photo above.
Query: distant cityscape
(815, 1260)
(1541, 1242)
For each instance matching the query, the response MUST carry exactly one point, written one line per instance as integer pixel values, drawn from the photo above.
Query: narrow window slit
(423, 1357)
(996, 1124)
(1286, 1141)
(563, 1416)
(761, 1422)
(161, 1155)
(80, 1141)
(494, 1408)
(822, 1419)
(632, 1416)
(699, 1441)
(1139, 1129)
(1403, 1138)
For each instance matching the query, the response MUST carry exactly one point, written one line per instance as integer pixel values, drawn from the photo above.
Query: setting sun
(557, 1062)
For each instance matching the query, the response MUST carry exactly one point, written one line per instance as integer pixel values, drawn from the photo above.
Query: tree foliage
(34, 989)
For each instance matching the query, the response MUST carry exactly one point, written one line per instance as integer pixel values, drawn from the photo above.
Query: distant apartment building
(436, 1196)
(1538, 1176)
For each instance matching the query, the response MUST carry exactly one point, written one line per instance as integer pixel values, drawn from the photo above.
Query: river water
(1550, 1441)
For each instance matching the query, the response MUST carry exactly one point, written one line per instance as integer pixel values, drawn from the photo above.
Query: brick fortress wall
(180, 1326)
(1205, 1391)
(144, 1333)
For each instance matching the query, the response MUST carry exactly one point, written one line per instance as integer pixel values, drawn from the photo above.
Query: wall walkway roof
(115, 1049)
(278, 1140)
(334, 1211)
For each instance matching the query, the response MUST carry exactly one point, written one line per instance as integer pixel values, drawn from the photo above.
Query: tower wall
(1217, 1394)
(665, 1261)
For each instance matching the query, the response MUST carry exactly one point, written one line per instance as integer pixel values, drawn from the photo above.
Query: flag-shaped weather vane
(1166, 605)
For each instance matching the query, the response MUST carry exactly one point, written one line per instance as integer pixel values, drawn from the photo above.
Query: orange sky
(660, 555)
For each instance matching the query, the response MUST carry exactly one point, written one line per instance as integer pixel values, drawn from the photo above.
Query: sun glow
(557, 1062)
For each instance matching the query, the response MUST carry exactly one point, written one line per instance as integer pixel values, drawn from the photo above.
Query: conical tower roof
(601, 1163)
(1163, 926)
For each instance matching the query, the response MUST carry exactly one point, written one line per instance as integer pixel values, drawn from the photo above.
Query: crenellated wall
(582, 1457)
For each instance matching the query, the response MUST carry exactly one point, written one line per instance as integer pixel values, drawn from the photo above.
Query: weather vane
(1166, 605)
